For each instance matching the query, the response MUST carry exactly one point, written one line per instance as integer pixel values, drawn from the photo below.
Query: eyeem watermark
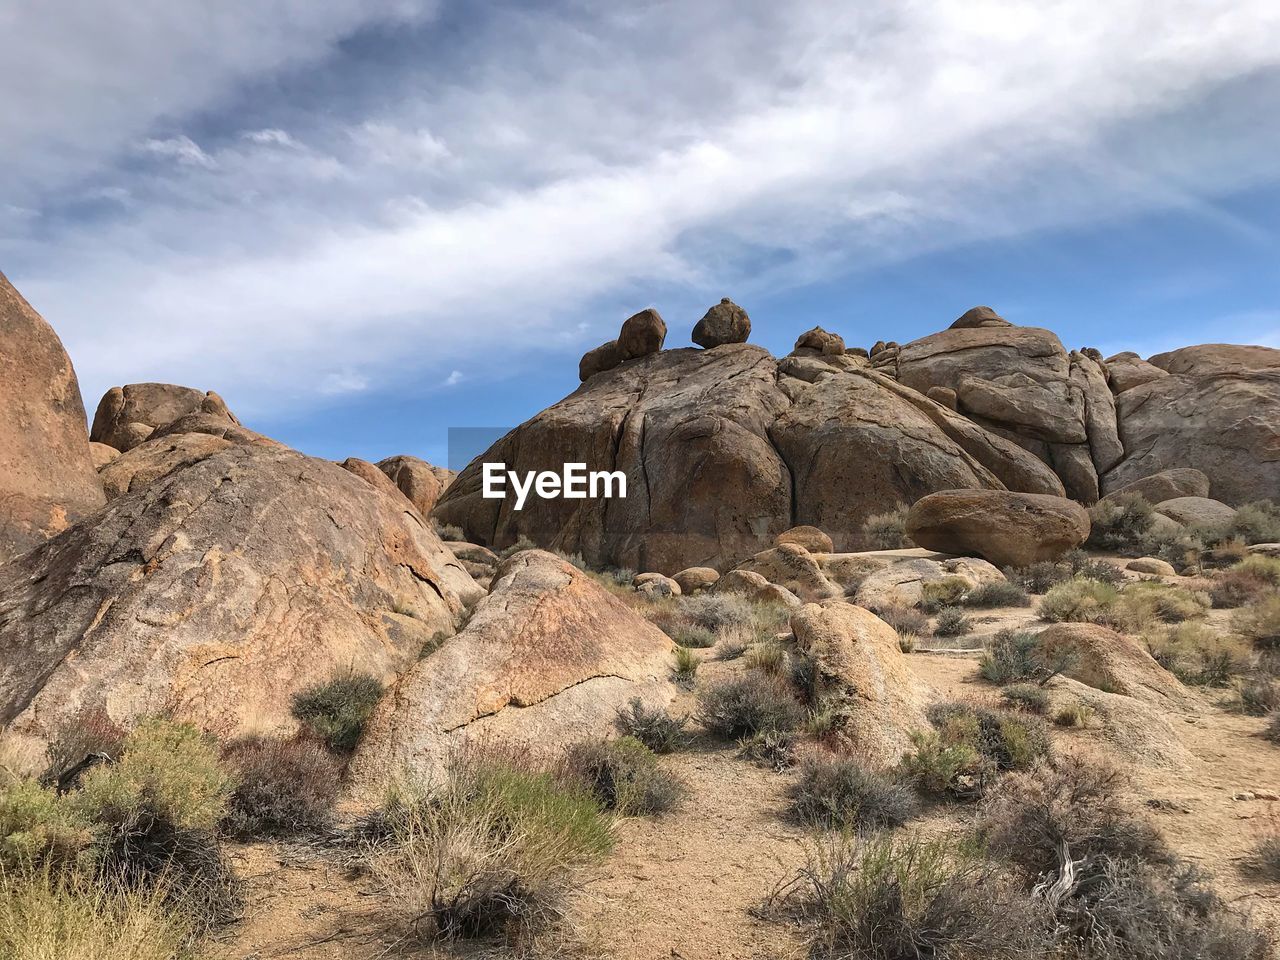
(575, 482)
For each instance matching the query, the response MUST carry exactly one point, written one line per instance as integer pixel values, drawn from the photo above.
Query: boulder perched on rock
(1110, 661)
(1009, 529)
(142, 465)
(418, 480)
(1217, 411)
(901, 583)
(604, 357)
(547, 658)
(218, 591)
(1165, 485)
(863, 674)
(979, 317)
(693, 579)
(945, 396)
(125, 413)
(1193, 510)
(1128, 370)
(371, 475)
(811, 538)
(215, 426)
(822, 341)
(47, 476)
(792, 566)
(642, 334)
(726, 322)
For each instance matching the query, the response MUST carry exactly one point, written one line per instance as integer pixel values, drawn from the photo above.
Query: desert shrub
(694, 636)
(337, 711)
(888, 898)
(822, 720)
(905, 620)
(1148, 601)
(1257, 522)
(937, 768)
(745, 705)
(999, 593)
(768, 656)
(1259, 623)
(1257, 696)
(775, 749)
(841, 792)
(887, 531)
(952, 622)
(1239, 586)
(448, 531)
(1196, 653)
(49, 914)
(1180, 547)
(1079, 601)
(1093, 568)
(624, 776)
(685, 665)
(1272, 732)
(1010, 741)
(1031, 814)
(497, 846)
(654, 727)
(1075, 714)
(90, 737)
(522, 543)
(284, 786)
(907, 642)
(1010, 656)
(731, 650)
(38, 829)
(1120, 523)
(1026, 696)
(1040, 576)
(1265, 858)
(947, 592)
(1268, 568)
(717, 611)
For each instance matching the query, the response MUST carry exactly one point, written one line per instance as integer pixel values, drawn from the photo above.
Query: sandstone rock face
(547, 658)
(1217, 411)
(154, 405)
(47, 477)
(149, 461)
(642, 334)
(723, 451)
(215, 425)
(217, 592)
(1128, 370)
(101, 454)
(945, 396)
(792, 566)
(418, 480)
(1009, 529)
(1165, 485)
(858, 660)
(1113, 662)
(604, 357)
(693, 579)
(811, 538)
(726, 322)
(1189, 510)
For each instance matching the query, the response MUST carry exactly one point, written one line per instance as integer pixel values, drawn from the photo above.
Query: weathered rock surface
(418, 480)
(726, 322)
(1189, 510)
(693, 579)
(1165, 485)
(1152, 566)
(373, 476)
(101, 454)
(47, 476)
(656, 585)
(746, 582)
(642, 334)
(133, 470)
(1128, 370)
(901, 584)
(1009, 529)
(1217, 411)
(218, 591)
(860, 666)
(821, 341)
(792, 566)
(811, 538)
(979, 317)
(604, 357)
(547, 658)
(1112, 662)
(124, 412)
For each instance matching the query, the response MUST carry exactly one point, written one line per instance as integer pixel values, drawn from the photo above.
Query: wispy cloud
(181, 148)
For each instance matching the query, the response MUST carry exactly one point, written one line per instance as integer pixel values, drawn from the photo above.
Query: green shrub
(841, 792)
(1040, 576)
(337, 711)
(731, 651)
(717, 611)
(654, 727)
(694, 637)
(1011, 741)
(1149, 601)
(1196, 653)
(947, 592)
(768, 657)
(887, 531)
(448, 531)
(1026, 696)
(1257, 522)
(1010, 656)
(1259, 623)
(37, 828)
(624, 776)
(1120, 523)
(937, 768)
(1257, 696)
(1074, 715)
(1266, 856)
(686, 665)
(1000, 593)
(952, 622)
(1079, 601)
(522, 543)
(284, 786)
(905, 620)
(774, 749)
(748, 704)
(90, 737)
(497, 846)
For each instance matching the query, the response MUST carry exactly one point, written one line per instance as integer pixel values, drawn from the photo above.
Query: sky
(364, 222)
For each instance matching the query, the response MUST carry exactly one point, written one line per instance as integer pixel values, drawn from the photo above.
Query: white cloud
(336, 383)
(453, 379)
(490, 197)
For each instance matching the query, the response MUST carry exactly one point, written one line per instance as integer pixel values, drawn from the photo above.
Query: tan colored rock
(418, 480)
(1112, 662)
(775, 593)
(792, 566)
(214, 425)
(124, 411)
(726, 322)
(811, 538)
(1165, 485)
(1216, 359)
(604, 357)
(371, 475)
(473, 552)
(864, 674)
(979, 317)
(1009, 529)
(1153, 566)
(47, 477)
(101, 454)
(1128, 370)
(822, 341)
(547, 658)
(642, 334)
(1192, 510)
(1090, 377)
(693, 579)
(901, 584)
(216, 593)
(655, 585)
(142, 465)
(945, 396)
(740, 581)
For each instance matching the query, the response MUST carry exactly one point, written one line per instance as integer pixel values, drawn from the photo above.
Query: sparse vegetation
(1079, 601)
(521, 544)
(337, 711)
(652, 726)
(998, 593)
(774, 749)
(1026, 696)
(1196, 653)
(694, 637)
(1121, 523)
(937, 768)
(1010, 741)
(843, 793)
(624, 776)
(685, 665)
(1014, 655)
(748, 704)
(1272, 732)
(768, 657)
(1146, 602)
(1259, 623)
(1075, 714)
(952, 622)
(1257, 696)
(887, 531)
(1265, 858)
(947, 592)
(447, 531)
(284, 786)
(905, 620)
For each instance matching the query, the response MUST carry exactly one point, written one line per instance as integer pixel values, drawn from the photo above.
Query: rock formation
(1009, 529)
(726, 322)
(418, 480)
(129, 415)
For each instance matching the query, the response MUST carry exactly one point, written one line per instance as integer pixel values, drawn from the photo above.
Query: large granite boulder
(1009, 529)
(1218, 411)
(1111, 661)
(1189, 511)
(421, 482)
(726, 322)
(642, 334)
(47, 477)
(129, 415)
(1128, 370)
(1165, 485)
(548, 657)
(218, 591)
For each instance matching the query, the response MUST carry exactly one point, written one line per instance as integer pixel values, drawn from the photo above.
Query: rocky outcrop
(1110, 661)
(811, 538)
(1195, 510)
(979, 317)
(604, 357)
(862, 673)
(134, 470)
(1128, 370)
(693, 579)
(421, 482)
(1165, 485)
(216, 592)
(1009, 529)
(101, 454)
(1218, 411)
(726, 322)
(642, 334)
(901, 583)
(820, 341)
(792, 566)
(131, 414)
(723, 451)
(547, 658)
(373, 476)
(47, 476)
